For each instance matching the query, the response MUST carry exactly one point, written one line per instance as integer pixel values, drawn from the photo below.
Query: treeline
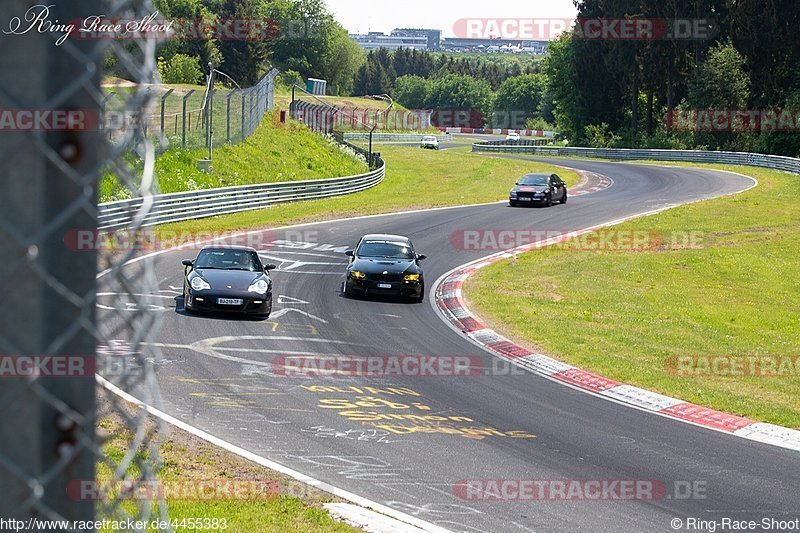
(491, 93)
(645, 92)
(379, 73)
(302, 40)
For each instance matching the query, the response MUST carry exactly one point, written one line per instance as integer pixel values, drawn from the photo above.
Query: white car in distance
(429, 141)
(512, 136)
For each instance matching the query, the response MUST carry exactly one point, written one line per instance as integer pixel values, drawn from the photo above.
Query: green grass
(415, 179)
(186, 459)
(622, 314)
(275, 152)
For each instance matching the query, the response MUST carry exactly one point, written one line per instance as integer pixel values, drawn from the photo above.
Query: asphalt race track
(219, 375)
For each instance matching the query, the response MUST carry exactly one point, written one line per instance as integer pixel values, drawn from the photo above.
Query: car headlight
(411, 277)
(259, 286)
(199, 284)
(513, 193)
(357, 275)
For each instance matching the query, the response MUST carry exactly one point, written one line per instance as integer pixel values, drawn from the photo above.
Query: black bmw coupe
(385, 265)
(541, 189)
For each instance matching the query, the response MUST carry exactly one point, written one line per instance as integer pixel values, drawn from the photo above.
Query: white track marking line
(294, 474)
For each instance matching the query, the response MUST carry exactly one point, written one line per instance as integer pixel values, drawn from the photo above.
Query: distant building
(374, 40)
(431, 40)
(434, 36)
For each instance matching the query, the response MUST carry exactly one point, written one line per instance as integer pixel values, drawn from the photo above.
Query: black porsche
(385, 265)
(538, 189)
(228, 278)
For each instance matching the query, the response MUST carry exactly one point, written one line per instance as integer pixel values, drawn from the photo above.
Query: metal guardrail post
(183, 115)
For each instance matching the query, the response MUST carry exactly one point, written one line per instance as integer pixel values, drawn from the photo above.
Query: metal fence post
(163, 101)
(183, 115)
(228, 116)
(243, 135)
(211, 123)
(250, 123)
(49, 187)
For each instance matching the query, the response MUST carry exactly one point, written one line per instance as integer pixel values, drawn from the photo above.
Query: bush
(289, 78)
(180, 69)
(599, 136)
(538, 123)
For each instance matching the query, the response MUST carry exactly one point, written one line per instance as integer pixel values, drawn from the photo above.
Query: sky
(360, 16)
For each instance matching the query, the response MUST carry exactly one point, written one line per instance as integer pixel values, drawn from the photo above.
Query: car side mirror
(350, 253)
(188, 262)
(269, 266)
(420, 257)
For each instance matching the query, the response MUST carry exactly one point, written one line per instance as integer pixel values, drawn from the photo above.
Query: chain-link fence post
(163, 104)
(49, 185)
(183, 117)
(228, 116)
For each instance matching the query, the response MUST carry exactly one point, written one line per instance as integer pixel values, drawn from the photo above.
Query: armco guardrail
(392, 137)
(179, 206)
(521, 142)
(777, 162)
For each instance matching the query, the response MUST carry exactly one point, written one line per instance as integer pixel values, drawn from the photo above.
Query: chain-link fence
(193, 118)
(70, 313)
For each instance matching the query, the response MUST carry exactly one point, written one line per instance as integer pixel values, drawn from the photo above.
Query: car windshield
(391, 250)
(229, 260)
(533, 180)
(429, 138)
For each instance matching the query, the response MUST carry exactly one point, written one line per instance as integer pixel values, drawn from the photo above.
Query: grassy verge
(415, 179)
(281, 505)
(623, 314)
(275, 152)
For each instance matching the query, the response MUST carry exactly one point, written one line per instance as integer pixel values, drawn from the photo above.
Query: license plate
(384, 286)
(525, 199)
(229, 301)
